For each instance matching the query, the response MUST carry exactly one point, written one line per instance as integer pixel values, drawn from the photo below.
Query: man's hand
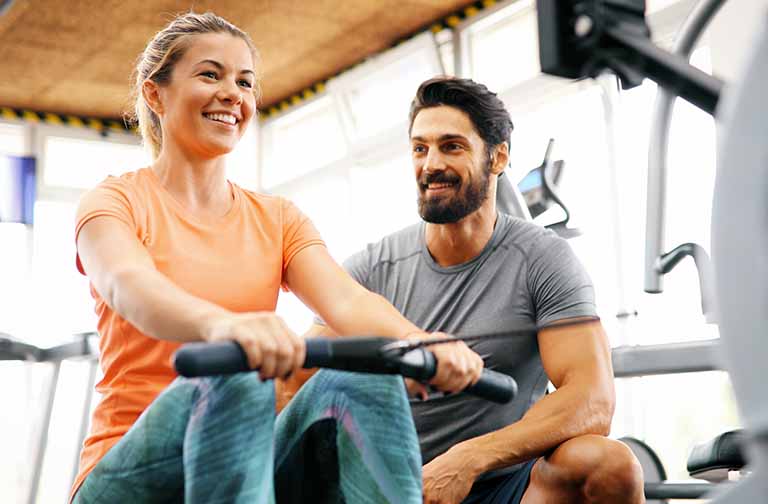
(458, 366)
(448, 478)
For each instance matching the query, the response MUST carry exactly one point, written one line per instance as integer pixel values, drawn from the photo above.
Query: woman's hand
(458, 366)
(270, 345)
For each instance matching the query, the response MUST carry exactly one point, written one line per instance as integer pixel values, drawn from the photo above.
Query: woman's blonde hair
(160, 57)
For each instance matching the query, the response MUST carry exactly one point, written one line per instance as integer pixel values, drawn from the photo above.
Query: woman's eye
(246, 84)
(209, 74)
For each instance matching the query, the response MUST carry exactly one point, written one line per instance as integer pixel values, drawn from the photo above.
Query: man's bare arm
(577, 359)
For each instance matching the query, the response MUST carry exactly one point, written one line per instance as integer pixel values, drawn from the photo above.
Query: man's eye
(419, 148)
(453, 146)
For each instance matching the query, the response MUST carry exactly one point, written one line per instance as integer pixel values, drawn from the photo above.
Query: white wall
(731, 34)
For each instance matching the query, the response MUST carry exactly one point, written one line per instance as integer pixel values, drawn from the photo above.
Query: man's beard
(453, 208)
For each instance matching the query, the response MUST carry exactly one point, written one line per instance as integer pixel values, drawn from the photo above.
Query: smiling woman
(167, 48)
(175, 252)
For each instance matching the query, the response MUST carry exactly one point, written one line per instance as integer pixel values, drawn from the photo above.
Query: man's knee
(597, 465)
(618, 472)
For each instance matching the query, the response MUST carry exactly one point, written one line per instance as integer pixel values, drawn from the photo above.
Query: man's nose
(434, 161)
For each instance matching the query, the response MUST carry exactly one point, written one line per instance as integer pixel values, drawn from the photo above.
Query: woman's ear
(150, 91)
(500, 158)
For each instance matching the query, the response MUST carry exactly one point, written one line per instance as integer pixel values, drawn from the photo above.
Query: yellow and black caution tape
(450, 22)
(101, 125)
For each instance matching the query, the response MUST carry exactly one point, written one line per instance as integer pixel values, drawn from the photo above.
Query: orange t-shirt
(238, 263)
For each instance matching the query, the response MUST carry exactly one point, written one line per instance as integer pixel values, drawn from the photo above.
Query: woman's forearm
(159, 308)
(368, 314)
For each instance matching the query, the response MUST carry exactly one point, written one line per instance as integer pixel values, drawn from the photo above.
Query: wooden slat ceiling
(76, 56)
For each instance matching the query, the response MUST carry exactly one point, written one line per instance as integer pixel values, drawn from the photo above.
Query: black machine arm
(581, 38)
(365, 354)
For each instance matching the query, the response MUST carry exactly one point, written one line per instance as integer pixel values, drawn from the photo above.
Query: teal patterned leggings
(345, 437)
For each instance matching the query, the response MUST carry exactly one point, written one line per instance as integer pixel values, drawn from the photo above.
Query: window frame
(40, 136)
(26, 129)
(344, 85)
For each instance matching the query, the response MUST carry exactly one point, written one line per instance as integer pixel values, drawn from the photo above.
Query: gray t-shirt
(525, 275)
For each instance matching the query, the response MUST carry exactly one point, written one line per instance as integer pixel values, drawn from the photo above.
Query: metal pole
(42, 443)
(93, 365)
(688, 82)
(657, 152)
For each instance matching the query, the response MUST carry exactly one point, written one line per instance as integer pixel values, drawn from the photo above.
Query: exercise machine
(82, 346)
(583, 38)
(539, 188)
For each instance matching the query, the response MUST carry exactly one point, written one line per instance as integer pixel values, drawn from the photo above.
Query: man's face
(451, 164)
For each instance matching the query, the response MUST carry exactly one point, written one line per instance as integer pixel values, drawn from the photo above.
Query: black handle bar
(365, 354)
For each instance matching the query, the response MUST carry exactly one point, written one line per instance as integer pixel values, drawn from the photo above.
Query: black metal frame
(582, 38)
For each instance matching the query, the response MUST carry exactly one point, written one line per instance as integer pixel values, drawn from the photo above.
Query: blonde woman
(177, 253)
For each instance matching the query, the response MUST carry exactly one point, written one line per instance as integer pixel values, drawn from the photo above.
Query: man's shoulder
(397, 245)
(527, 237)
(390, 249)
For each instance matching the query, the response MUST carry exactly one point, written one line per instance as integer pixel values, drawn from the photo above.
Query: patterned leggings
(345, 437)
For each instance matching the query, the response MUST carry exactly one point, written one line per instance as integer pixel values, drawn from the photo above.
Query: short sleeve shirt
(238, 262)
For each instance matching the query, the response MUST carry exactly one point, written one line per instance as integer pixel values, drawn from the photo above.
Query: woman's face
(209, 102)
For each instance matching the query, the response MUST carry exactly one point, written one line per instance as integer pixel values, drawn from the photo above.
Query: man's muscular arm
(577, 360)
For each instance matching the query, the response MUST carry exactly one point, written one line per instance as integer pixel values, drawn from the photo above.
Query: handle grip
(494, 386)
(209, 359)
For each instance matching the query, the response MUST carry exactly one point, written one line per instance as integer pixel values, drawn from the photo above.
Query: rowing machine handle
(227, 357)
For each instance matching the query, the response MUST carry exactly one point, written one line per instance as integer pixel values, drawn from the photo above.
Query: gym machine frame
(582, 38)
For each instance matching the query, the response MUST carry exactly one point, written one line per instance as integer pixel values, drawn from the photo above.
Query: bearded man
(468, 269)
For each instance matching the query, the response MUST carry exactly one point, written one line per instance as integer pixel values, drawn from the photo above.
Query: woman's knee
(234, 391)
(343, 391)
(356, 383)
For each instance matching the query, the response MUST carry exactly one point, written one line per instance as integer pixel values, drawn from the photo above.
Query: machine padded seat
(712, 460)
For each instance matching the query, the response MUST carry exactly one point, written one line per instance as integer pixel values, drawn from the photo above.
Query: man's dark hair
(486, 111)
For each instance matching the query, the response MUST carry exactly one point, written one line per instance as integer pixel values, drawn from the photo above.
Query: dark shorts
(505, 489)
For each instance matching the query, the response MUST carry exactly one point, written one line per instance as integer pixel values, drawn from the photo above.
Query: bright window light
(303, 140)
(325, 200)
(14, 270)
(657, 5)
(81, 164)
(242, 163)
(381, 98)
(56, 286)
(12, 140)
(447, 58)
(385, 194)
(504, 48)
